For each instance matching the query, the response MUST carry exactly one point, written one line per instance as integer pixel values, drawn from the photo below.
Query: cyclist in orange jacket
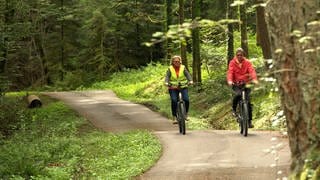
(241, 70)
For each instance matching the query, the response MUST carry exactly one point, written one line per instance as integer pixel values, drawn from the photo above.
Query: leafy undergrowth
(53, 142)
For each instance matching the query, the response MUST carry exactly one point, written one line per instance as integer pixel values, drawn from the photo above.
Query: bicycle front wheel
(245, 118)
(181, 117)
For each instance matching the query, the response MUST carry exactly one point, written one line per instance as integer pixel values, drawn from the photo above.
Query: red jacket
(241, 71)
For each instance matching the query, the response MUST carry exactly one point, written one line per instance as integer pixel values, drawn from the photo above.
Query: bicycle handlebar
(242, 84)
(179, 84)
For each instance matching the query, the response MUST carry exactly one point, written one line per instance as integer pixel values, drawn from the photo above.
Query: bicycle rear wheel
(181, 117)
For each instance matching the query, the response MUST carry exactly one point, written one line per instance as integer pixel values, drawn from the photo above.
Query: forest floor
(200, 154)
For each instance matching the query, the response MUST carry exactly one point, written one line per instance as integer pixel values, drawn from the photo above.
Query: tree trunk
(4, 53)
(62, 43)
(183, 45)
(230, 39)
(168, 23)
(137, 26)
(196, 65)
(294, 33)
(40, 50)
(243, 29)
(262, 31)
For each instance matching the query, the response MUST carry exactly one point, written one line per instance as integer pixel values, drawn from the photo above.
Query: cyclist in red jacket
(241, 70)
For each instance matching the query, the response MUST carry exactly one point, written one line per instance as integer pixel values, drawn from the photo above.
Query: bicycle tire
(181, 116)
(245, 118)
(241, 117)
(179, 119)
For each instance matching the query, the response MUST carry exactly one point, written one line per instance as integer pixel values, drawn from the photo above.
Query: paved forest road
(208, 154)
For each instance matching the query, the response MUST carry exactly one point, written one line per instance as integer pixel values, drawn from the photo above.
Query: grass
(53, 142)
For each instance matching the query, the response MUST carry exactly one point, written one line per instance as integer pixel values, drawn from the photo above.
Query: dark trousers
(174, 96)
(237, 98)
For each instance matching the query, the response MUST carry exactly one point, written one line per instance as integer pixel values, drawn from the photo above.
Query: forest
(49, 45)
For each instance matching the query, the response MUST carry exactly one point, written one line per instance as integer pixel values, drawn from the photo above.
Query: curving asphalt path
(209, 154)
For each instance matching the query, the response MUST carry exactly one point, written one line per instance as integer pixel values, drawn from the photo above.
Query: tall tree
(294, 31)
(262, 30)
(98, 28)
(38, 38)
(62, 40)
(21, 61)
(5, 13)
(196, 64)
(168, 21)
(230, 39)
(183, 44)
(243, 28)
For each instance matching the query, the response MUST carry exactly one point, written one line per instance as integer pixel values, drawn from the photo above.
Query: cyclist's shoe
(174, 120)
(234, 114)
(251, 125)
(187, 118)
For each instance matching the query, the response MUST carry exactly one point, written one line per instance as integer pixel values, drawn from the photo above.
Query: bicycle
(181, 111)
(243, 107)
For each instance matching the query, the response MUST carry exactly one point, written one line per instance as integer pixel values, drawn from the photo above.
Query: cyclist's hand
(230, 83)
(166, 83)
(190, 82)
(255, 82)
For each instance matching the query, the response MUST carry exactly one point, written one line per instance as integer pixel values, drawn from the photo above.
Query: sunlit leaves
(260, 5)
(177, 33)
(296, 33)
(309, 50)
(238, 2)
(157, 34)
(278, 51)
(314, 23)
(278, 118)
(228, 21)
(305, 39)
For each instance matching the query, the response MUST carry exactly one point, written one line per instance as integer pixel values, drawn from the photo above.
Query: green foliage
(54, 143)
(311, 169)
(71, 38)
(13, 114)
(129, 82)
(176, 33)
(45, 140)
(214, 61)
(73, 80)
(137, 154)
